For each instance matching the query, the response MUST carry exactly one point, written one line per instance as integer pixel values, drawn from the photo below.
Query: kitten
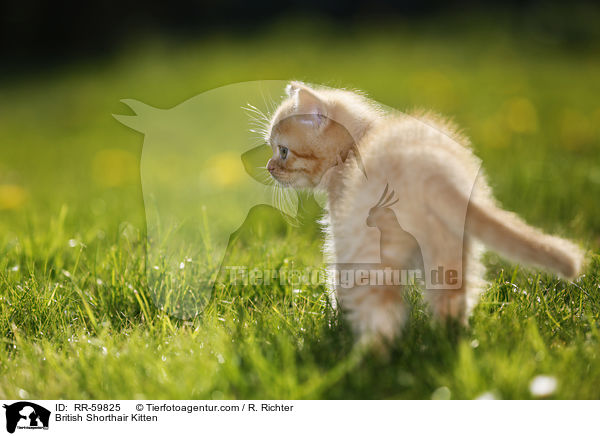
(435, 210)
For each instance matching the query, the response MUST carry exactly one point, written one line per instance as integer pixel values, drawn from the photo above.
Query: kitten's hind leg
(447, 303)
(459, 303)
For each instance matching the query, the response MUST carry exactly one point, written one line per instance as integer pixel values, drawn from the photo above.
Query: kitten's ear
(308, 102)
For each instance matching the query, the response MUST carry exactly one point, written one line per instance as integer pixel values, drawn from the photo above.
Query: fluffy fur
(341, 142)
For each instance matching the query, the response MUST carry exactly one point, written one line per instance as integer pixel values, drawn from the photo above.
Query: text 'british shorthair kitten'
(405, 193)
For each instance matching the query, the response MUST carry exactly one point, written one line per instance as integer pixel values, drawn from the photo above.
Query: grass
(76, 315)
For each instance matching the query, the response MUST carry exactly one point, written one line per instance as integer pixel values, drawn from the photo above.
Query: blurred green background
(529, 108)
(521, 82)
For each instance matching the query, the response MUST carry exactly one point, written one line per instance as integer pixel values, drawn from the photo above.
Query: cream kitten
(403, 192)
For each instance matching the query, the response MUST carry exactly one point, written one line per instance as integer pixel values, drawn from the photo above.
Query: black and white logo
(26, 415)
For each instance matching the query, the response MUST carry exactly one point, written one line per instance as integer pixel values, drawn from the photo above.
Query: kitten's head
(305, 139)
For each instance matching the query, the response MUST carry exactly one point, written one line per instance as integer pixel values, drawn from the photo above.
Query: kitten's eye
(283, 152)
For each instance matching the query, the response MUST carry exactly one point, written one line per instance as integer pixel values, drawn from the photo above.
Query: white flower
(441, 393)
(487, 396)
(543, 385)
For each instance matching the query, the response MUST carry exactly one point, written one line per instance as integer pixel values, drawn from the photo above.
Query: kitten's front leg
(372, 299)
(376, 313)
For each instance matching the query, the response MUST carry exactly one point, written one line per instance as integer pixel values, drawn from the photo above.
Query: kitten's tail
(509, 235)
(506, 233)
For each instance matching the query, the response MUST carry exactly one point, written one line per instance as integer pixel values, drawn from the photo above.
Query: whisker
(254, 110)
(265, 178)
(273, 105)
(257, 141)
(269, 108)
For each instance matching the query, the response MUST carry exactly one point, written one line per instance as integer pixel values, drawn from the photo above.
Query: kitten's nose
(270, 166)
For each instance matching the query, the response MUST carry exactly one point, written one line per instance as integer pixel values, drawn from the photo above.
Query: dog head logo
(26, 415)
(203, 174)
(204, 180)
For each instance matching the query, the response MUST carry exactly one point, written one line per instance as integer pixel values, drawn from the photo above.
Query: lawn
(77, 318)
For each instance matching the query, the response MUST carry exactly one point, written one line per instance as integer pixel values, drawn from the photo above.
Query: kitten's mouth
(276, 176)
